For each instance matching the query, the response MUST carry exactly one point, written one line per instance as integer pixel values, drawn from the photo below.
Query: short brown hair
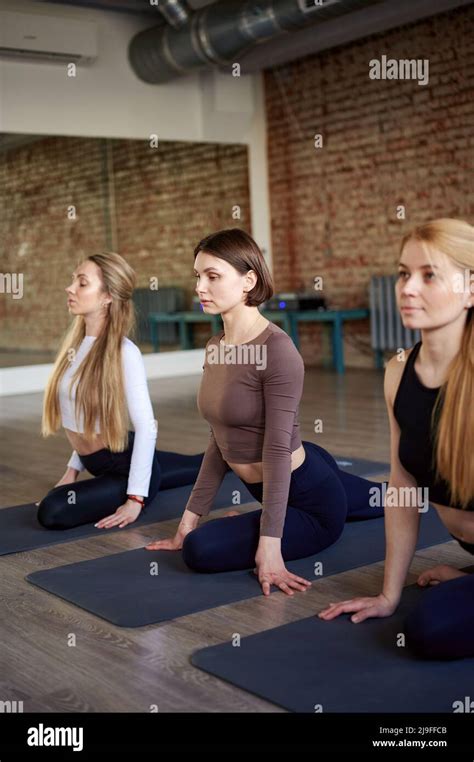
(238, 248)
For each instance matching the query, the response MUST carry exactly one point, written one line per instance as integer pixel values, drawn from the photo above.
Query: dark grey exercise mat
(339, 666)
(20, 530)
(122, 589)
(361, 467)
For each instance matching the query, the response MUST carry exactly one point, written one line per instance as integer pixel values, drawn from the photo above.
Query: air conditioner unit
(34, 36)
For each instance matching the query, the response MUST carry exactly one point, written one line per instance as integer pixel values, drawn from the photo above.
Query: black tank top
(413, 409)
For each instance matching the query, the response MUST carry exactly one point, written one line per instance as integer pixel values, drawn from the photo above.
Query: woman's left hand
(270, 568)
(126, 514)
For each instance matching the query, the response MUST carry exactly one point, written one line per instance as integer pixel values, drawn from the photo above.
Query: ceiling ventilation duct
(218, 34)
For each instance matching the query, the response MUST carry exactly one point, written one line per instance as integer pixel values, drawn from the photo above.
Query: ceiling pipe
(219, 33)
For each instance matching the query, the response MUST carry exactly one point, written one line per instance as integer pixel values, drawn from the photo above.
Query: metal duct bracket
(175, 12)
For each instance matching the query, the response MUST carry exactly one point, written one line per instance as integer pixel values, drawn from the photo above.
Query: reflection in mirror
(65, 198)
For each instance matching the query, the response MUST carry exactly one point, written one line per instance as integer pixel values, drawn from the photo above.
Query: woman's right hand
(186, 525)
(69, 477)
(364, 608)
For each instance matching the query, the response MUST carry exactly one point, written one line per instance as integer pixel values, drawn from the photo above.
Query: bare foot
(437, 574)
(232, 513)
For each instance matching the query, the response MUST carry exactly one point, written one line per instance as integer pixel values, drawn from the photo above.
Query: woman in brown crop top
(250, 392)
(430, 397)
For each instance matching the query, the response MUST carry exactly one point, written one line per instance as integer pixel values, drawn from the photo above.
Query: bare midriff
(253, 472)
(84, 446)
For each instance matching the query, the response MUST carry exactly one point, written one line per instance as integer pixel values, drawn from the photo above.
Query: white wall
(27, 379)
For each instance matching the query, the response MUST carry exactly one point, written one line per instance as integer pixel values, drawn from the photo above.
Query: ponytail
(455, 430)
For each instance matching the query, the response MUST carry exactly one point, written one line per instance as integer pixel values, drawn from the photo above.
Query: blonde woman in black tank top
(430, 402)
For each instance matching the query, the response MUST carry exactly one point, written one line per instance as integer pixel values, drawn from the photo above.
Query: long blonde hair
(100, 388)
(453, 413)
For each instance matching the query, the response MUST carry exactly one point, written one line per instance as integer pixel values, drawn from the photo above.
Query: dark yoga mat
(362, 467)
(20, 530)
(121, 588)
(340, 666)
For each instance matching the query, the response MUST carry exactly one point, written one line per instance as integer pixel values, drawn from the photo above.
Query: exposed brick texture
(385, 143)
(166, 200)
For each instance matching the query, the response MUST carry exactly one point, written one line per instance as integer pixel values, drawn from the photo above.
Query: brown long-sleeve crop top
(250, 394)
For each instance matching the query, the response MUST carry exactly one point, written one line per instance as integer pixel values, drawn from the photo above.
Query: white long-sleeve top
(139, 409)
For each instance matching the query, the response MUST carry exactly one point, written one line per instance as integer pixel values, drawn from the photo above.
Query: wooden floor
(113, 669)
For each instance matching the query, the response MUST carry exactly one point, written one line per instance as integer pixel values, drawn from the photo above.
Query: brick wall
(385, 143)
(151, 205)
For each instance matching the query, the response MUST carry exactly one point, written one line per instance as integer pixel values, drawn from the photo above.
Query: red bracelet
(137, 499)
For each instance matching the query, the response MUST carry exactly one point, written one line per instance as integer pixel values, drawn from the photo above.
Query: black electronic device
(293, 300)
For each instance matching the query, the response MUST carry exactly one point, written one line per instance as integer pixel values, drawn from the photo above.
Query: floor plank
(112, 669)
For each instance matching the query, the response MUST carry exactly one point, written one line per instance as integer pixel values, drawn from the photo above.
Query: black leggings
(321, 499)
(441, 626)
(88, 501)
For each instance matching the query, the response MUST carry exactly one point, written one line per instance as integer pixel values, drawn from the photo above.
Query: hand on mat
(271, 570)
(186, 525)
(126, 514)
(437, 574)
(364, 608)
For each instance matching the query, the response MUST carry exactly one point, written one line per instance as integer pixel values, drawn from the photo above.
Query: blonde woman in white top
(97, 384)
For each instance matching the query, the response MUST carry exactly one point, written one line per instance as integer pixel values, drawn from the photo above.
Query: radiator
(165, 299)
(386, 328)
